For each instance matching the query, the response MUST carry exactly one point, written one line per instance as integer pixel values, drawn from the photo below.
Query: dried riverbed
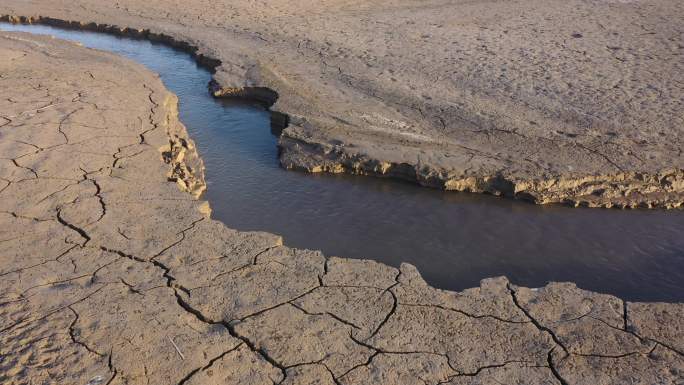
(454, 239)
(112, 274)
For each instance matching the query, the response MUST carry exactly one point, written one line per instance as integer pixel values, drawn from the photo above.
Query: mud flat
(113, 271)
(565, 101)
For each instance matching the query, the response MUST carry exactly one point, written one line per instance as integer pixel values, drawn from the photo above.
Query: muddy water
(454, 239)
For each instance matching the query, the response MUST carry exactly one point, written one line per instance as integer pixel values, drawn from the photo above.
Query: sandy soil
(113, 272)
(550, 101)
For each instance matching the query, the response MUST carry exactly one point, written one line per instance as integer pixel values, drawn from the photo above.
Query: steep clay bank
(112, 274)
(575, 102)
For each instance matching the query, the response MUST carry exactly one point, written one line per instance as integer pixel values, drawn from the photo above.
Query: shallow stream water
(455, 239)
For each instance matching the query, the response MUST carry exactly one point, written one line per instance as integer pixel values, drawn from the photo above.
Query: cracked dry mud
(550, 101)
(113, 272)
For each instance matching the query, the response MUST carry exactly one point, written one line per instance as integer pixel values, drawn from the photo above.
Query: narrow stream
(454, 239)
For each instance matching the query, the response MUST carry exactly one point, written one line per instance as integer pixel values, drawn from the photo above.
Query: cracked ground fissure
(147, 288)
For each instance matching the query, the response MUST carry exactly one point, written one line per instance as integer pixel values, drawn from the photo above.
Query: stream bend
(454, 239)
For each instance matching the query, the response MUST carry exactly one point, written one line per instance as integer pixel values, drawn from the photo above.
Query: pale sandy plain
(113, 272)
(576, 101)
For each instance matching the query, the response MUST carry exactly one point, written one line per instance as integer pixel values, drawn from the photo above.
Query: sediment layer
(112, 274)
(572, 102)
(624, 190)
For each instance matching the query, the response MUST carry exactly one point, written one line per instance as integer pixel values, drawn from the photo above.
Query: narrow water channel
(455, 239)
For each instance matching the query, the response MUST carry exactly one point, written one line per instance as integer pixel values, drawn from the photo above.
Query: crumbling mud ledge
(595, 149)
(112, 274)
(623, 190)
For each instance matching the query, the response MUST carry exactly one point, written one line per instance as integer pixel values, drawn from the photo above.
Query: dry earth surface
(576, 101)
(113, 272)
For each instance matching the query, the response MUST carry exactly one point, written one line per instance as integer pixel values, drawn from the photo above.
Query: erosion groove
(114, 272)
